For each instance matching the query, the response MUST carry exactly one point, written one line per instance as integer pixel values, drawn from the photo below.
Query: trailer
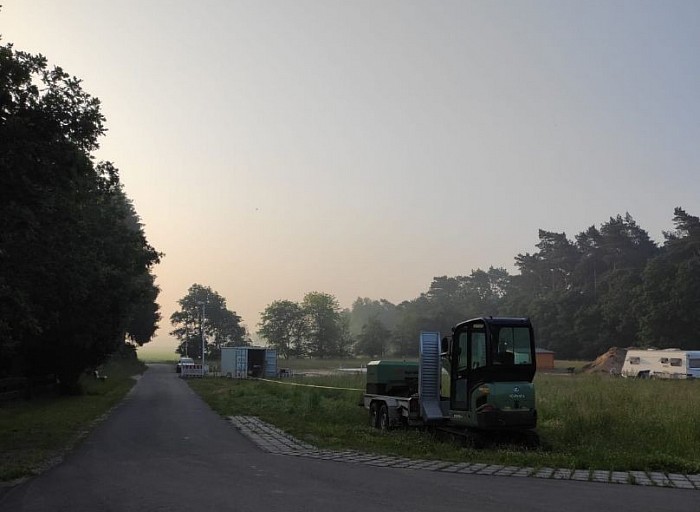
(670, 363)
(488, 364)
(248, 362)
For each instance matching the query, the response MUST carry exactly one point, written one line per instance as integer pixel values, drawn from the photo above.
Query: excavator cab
(491, 362)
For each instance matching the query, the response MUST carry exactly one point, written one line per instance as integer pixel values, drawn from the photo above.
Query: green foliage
(75, 278)
(611, 287)
(448, 301)
(326, 332)
(222, 327)
(363, 309)
(586, 422)
(669, 299)
(314, 328)
(284, 327)
(373, 339)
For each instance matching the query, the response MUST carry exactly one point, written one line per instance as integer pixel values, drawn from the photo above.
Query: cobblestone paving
(273, 440)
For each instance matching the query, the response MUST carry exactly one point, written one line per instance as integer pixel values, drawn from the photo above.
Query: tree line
(609, 286)
(316, 327)
(76, 281)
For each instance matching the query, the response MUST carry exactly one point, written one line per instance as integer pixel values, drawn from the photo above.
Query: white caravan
(670, 363)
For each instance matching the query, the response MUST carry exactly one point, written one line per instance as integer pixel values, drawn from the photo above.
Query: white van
(670, 363)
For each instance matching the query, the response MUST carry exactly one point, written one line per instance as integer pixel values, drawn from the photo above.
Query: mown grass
(37, 432)
(586, 422)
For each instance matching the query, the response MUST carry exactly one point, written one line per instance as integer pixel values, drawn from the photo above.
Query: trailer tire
(374, 415)
(384, 423)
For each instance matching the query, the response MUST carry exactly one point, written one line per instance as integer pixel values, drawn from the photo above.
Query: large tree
(316, 327)
(325, 330)
(204, 310)
(670, 293)
(365, 308)
(374, 338)
(75, 264)
(283, 326)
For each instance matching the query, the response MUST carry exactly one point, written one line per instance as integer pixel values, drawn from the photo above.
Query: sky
(361, 148)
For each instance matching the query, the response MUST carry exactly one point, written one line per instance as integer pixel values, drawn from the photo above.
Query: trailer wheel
(475, 440)
(374, 415)
(532, 440)
(384, 418)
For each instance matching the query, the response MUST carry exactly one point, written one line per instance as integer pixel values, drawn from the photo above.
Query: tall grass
(622, 423)
(585, 422)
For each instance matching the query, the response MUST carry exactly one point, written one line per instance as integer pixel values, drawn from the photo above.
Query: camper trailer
(670, 363)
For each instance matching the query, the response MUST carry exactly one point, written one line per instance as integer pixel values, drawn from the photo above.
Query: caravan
(670, 363)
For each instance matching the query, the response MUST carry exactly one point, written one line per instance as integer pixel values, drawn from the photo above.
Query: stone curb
(274, 440)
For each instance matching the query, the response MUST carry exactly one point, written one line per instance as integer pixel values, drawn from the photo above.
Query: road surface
(163, 449)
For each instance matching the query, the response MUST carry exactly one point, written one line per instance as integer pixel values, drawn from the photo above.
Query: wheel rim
(373, 415)
(384, 418)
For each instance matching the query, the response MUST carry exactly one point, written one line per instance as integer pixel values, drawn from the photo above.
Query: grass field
(40, 431)
(157, 354)
(586, 422)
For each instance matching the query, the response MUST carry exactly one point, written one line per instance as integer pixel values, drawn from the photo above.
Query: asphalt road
(164, 449)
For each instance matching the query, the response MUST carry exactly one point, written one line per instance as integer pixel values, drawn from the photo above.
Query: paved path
(163, 449)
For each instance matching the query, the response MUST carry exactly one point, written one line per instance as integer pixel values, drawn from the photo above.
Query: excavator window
(513, 346)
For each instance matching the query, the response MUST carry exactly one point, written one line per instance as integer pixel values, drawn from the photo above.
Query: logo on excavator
(516, 394)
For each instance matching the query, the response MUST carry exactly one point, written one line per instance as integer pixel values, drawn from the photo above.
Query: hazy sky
(361, 148)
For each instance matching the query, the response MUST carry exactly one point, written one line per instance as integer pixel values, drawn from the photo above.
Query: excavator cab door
(469, 350)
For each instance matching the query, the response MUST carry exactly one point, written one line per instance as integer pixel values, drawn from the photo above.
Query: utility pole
(187, 337)
(201, 331)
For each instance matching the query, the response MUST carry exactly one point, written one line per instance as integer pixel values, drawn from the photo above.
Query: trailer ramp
(429, 377)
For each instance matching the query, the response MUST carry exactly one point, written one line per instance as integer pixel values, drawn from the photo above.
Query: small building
(545, 359)
(247, 362)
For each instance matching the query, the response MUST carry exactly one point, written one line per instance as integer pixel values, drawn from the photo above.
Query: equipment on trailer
(489, 363)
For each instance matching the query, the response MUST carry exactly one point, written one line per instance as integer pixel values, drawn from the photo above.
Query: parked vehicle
(670, 363)
(490, 364)
(184, 361)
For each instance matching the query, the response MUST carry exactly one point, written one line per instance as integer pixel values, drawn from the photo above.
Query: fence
(193, 370)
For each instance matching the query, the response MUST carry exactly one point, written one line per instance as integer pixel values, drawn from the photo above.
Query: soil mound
(610, 363)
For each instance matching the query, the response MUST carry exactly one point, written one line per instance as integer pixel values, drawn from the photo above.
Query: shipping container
(248, 362)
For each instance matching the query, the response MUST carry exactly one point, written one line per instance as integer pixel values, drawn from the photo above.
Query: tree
(283, 326)
(221, 326)
(316, 327)
(670, 293)
(365, 308)
(75, 263)
(374, 338)
(326, 335)
(145, 313)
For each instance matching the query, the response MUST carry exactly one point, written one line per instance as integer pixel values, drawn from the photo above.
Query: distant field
(157, 354)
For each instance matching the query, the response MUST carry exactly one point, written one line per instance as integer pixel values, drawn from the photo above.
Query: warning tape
(307, 385)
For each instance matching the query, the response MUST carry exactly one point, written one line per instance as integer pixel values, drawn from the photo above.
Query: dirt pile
(609, 363)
